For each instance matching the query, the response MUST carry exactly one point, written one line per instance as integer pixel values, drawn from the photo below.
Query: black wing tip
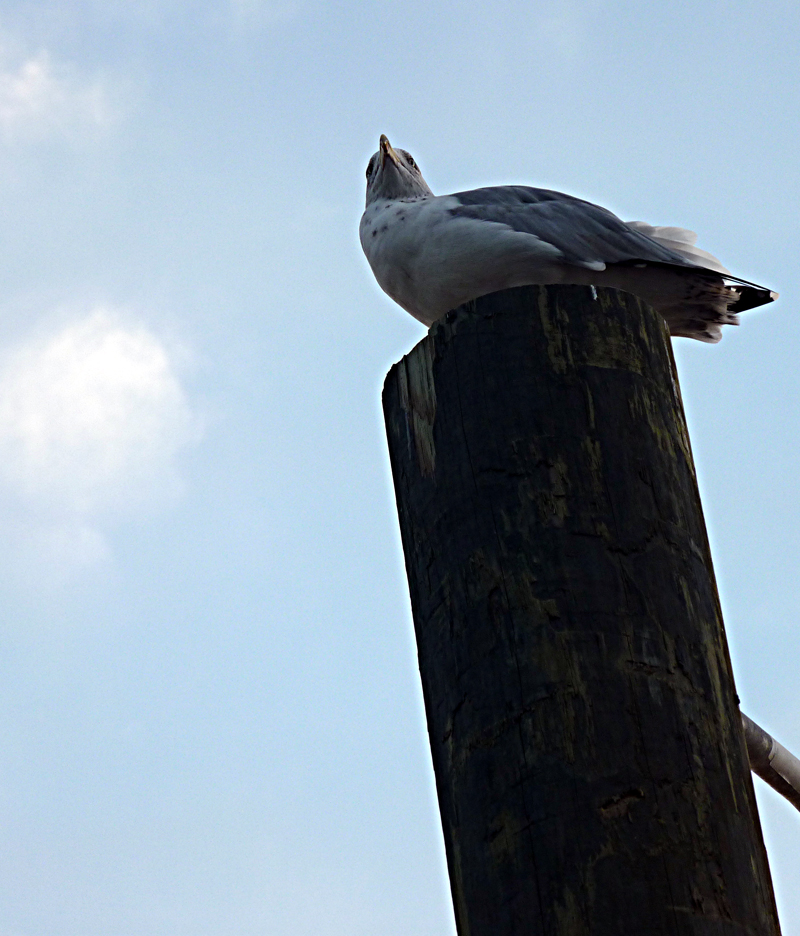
(751, 297)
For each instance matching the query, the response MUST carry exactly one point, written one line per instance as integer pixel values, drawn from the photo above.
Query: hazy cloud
(41, 97)
(92, 418)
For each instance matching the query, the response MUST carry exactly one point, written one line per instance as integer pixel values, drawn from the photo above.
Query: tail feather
(711, 302)
(695, 302)
(681, 242)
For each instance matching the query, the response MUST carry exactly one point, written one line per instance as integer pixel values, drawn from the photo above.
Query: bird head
(393, 174)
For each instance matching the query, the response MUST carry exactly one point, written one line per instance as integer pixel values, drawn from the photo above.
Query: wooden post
(587, 744)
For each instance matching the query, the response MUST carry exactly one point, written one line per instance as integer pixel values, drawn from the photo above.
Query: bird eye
(411, 161)
(369, 168)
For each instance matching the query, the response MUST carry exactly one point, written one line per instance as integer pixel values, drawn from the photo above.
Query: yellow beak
(387, 152)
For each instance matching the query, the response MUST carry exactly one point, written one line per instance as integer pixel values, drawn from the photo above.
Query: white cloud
(92, 418)
(41, 98)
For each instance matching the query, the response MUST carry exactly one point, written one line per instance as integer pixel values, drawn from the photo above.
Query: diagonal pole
(587, 745)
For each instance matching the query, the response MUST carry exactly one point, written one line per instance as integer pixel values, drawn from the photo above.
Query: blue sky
(212, 724)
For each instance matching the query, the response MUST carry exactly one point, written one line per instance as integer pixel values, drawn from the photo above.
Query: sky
(212, 723)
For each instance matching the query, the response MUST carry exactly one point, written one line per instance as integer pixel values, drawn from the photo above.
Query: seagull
(432, 253)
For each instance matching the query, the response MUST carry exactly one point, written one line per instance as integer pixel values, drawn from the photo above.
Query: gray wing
(583, 232)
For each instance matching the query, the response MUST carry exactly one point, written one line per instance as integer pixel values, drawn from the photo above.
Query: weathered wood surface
(586, 739)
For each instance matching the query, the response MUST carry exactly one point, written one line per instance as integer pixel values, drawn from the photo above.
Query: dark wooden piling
(587, 745)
